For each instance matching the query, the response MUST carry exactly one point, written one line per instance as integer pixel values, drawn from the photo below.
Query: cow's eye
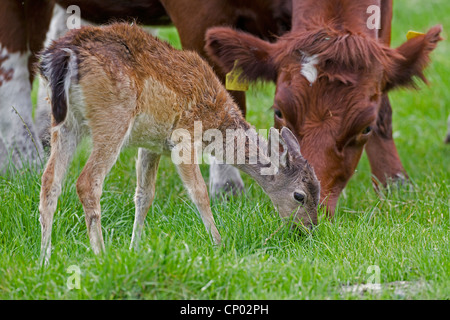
(367, 130)
(278, 113)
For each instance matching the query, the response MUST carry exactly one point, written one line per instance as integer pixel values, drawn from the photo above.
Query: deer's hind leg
(64, 140)
(146, 169)
(108, 137)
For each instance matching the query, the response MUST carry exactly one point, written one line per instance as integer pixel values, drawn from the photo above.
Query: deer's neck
(244, 149)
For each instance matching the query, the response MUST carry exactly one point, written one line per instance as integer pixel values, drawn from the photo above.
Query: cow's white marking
(309, 70)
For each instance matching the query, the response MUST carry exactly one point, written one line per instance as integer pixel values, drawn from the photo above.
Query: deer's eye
(299, 197)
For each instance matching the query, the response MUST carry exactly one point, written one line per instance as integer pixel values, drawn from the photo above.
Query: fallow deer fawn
(123, 87)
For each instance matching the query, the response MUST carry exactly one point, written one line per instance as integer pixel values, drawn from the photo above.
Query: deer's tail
(58, 65)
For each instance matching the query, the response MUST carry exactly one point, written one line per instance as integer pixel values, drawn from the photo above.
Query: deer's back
(123, 70)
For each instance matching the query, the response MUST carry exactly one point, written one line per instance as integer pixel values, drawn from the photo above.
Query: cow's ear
(253, 55)
(410, 59)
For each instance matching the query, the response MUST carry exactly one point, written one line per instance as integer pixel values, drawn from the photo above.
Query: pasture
(403, 232)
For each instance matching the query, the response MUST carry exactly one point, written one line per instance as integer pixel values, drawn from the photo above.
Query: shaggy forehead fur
(340, 54)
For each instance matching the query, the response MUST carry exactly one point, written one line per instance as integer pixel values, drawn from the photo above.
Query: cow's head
(329, 88)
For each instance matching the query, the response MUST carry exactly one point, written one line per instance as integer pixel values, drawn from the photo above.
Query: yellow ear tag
(413, 34)
(233, 82)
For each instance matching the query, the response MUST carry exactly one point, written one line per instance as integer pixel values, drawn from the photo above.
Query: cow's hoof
(225, 181)
(227, 189)
(399, 180)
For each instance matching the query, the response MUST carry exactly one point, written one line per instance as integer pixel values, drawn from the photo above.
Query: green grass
(405, 233)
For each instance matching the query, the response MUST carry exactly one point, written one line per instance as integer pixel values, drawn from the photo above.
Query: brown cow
(333, 74)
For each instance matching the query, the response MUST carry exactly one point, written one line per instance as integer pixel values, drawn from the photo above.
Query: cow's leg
(384, 33)
(17, 133)
(146, 169)
(24, 24)
(382, 152)
(225, 179)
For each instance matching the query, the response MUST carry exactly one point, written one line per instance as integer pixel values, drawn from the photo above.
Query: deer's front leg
(382, 152)
(146, 169)
(193, 180)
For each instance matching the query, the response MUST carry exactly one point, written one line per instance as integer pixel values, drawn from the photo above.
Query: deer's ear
(277, 145)
(287, 144)
(291, 144)
(410, 59)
